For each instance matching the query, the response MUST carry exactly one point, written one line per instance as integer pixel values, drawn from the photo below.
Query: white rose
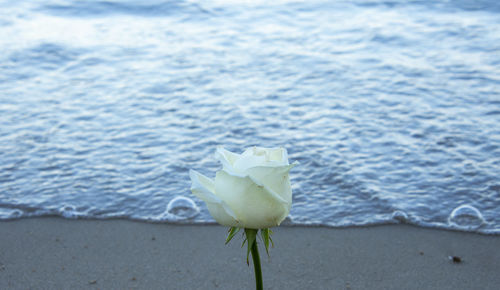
(251, 191)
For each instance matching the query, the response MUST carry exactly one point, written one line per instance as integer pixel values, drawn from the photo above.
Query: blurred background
(391, 107)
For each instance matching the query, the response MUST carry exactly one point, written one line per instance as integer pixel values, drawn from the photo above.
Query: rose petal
(255, 207)
(259, 156)
(204, 188)
(228, 159)
(222, 214)
(279, 155)
(274, 179)
(250, 158)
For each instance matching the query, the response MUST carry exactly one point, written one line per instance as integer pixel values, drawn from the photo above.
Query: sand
(56, 253)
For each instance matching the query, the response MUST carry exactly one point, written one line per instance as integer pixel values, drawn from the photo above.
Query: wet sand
(56, 253)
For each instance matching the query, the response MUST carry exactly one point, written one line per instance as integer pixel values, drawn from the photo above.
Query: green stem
(256, 266)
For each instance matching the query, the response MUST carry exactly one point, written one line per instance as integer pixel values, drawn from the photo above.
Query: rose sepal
(232, 232)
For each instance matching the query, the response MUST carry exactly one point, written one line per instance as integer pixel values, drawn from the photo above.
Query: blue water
(392, 108)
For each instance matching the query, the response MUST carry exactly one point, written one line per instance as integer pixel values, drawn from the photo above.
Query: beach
(56, 253)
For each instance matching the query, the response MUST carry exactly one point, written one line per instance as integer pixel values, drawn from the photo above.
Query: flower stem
(256, 266)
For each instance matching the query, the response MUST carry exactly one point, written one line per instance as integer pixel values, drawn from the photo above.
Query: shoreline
(57, 253)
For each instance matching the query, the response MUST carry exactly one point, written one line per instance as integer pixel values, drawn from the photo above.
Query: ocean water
(392, 108)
